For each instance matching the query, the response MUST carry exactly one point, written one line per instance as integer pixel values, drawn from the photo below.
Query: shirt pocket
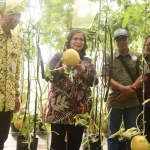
(133, 67)
(117, 71)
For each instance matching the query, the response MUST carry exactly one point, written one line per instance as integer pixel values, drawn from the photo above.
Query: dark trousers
(74, 137)
(5, 121)
(147, 125)
(114, 122)
(122, 145)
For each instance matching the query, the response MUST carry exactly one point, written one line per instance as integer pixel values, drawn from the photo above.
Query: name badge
(13, 67)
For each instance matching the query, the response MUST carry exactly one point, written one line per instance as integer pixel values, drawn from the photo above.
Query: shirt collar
(118, 53)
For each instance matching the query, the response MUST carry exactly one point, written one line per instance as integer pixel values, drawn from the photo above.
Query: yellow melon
(139, 142)
(105, 127)
(71, 57)
(18, 123)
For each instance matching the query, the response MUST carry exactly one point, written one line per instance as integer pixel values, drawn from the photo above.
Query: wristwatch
(85, 71)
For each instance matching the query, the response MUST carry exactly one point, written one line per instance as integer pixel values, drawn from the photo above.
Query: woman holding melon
(69, 95)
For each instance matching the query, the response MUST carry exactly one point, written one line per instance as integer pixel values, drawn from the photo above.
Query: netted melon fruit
(139, 142)
(71, 57)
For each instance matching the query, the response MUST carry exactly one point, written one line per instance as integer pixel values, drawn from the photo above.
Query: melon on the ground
(71, 57)
(139, 142)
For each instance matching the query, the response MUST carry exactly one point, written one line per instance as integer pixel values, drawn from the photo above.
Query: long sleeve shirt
(69, 97)
(9, 70)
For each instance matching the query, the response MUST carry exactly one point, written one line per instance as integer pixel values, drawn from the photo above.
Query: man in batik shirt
(9, 65)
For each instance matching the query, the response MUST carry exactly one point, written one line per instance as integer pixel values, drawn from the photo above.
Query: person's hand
(122, 97)
(62, 69)
(79, 67)
(128, 91)
(133, 87)
(17, 104)
(63, 66)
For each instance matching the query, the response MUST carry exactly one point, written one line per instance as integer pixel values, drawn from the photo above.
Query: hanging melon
(139, 142)
(71, 57)
(105, 126)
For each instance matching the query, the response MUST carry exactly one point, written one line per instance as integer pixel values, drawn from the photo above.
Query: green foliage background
(56, 20)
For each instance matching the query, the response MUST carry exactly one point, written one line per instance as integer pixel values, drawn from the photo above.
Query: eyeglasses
(76, 39)
(119, 39)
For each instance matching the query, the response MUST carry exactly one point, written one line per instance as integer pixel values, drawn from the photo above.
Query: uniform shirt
(9, 70)
(120, 75)
(69, 97)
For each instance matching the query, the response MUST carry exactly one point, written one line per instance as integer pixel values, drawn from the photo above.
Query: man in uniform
(122, 97)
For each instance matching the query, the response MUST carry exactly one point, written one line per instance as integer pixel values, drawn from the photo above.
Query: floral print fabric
(69, 97)
(9, 70)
